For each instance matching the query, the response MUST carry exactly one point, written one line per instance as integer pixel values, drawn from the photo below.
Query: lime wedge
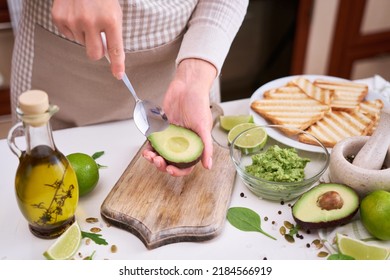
(250, 141)
(361, 250)
(66, 245)
(230, 121)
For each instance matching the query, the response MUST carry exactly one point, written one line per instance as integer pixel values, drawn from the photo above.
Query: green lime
(360, 250)
(375, 214)
(230, 121)
(87, 171)
(250, 141)
(233, 133)
(66, 245)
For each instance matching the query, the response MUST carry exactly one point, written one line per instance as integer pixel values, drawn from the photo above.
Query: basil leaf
(340, 257)
(245, 219)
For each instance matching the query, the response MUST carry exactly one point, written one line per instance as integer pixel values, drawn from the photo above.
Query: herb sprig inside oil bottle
(45, 182)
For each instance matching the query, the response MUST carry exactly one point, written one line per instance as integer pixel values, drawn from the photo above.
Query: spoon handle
(128, 84)
(125, 79)
(104, 41)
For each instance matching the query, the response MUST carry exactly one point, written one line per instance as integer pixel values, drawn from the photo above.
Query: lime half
(230, 121)
(66, 245)
(252, 140)
(361, 250)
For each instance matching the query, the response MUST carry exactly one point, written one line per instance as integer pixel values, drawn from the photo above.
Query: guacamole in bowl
(279, 172)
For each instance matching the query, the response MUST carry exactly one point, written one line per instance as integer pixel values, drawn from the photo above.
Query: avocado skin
(180, 165)
(326, 224)
(308, 225)
(183, 165)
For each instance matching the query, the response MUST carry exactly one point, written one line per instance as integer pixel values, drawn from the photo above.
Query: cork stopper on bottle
(34, 102)
(34, 108)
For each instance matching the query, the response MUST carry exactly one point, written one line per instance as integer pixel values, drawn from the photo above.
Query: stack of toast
(329, 110)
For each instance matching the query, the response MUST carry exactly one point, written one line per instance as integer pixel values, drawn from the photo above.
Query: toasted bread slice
(295, 110)
(342, 85)
(346, 95)
(372, 107)
(338, 125)
(285, 92)
(322, 95)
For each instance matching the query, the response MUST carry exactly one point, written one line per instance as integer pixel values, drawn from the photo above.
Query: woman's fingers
(83, 21)
(115, 50)
(161, 164)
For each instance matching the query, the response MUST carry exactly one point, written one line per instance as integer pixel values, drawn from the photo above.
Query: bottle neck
(37, 128)
(38, 136)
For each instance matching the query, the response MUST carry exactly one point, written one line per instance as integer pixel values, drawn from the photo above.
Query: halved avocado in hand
(178, 145)
(326, 205)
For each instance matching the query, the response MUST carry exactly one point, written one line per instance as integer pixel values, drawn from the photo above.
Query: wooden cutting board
(161, 209)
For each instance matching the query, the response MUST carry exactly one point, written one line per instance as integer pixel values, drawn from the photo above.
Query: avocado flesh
(326, 205)
(179, 146)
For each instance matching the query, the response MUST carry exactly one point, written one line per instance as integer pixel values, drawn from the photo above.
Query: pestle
(372, 155)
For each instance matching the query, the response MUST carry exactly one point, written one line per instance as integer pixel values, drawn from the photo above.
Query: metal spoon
(147, 116)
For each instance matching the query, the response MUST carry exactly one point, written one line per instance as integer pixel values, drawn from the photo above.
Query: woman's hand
(83, 21)
(187, 103)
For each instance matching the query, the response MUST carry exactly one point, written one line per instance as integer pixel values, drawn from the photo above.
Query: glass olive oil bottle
(45, 182)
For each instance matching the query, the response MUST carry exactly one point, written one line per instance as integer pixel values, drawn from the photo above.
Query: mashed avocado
(278, 165)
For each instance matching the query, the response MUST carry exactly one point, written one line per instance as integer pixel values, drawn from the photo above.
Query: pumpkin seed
(322, 254)
(92, 220)
(289, 238)
(114, 249)
(282, 230)
(95, 229)
(288, 225)
(317, 243)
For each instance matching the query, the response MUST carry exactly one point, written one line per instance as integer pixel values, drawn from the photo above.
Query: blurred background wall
(284, 37)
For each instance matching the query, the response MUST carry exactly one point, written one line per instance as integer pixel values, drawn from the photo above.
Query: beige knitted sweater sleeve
(211, 30)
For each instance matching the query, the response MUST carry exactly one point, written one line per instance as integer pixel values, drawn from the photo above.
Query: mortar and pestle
(370, 168)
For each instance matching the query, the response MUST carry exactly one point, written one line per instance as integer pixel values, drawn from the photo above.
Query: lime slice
(250, 141)
(233, 133)
(361, 250)
(230, 121)
(66, 245)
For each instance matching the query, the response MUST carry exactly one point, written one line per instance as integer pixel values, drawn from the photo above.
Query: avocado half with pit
(326, 205)
(179, 146)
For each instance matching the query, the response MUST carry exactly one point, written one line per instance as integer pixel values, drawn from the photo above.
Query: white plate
(276, 134)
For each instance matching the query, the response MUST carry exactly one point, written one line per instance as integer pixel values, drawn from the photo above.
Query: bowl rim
(338, 155)
(322, 171)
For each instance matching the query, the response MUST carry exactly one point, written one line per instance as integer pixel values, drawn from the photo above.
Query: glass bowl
(280, 191)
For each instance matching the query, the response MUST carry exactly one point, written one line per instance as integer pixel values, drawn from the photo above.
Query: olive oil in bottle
(45, 182)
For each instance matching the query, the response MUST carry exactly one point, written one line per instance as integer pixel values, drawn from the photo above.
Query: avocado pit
(330, 200)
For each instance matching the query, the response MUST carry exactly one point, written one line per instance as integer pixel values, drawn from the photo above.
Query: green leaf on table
(90, 257)
(335, 257)
(98, 155)
(94, 237)
(245, 219)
